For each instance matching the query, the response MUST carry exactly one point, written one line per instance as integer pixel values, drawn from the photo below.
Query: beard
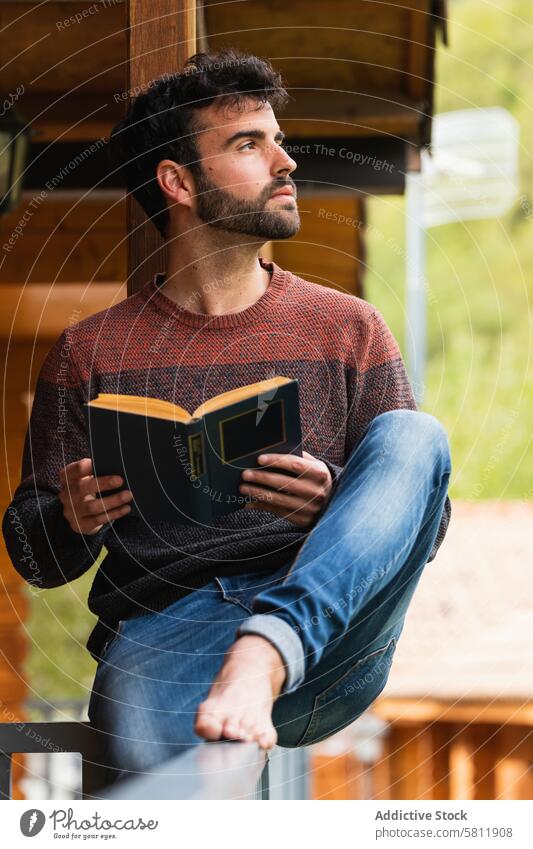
(221, 209)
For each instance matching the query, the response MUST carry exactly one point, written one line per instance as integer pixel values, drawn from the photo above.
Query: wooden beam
(421, 41)
(408, 711)
(462, 766)
(485, 755)
(44, 310)
(440, 735)
(410, 754)
(352, 114)
(65, 238)
(514, 766)
(65, 117)
(161, 37)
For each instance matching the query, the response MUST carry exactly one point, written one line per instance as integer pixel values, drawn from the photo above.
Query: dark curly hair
(162, 121)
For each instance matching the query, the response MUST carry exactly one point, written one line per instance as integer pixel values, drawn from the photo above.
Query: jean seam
(227, 597)
(112, 639)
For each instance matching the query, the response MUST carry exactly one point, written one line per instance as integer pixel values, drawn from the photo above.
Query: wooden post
(514, 765)
(485, 755)
(161, 37)
(462, 782)
(440, 734)
(409, 750)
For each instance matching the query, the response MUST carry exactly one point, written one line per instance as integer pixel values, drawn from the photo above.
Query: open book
(186, 467)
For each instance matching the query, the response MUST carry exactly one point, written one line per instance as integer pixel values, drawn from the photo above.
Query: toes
(207, 724)
(268, 738)
(231, 729)
(248, 731)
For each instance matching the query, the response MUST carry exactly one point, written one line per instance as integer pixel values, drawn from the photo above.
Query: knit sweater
(349, 369)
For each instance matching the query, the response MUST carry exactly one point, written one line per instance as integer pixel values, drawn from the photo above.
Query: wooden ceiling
(353, 67)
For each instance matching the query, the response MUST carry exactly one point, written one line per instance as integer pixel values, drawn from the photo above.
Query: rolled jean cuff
(284, 639)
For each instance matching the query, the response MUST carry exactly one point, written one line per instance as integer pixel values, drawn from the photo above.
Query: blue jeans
(335, 611)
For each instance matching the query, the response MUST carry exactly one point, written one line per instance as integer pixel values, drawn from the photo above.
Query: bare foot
(239, 704)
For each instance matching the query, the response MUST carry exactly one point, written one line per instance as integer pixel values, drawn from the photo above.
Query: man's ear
(175, 181)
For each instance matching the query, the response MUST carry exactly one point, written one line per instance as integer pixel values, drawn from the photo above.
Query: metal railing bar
(225, 770)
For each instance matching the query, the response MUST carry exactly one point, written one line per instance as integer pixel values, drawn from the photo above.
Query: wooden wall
(69, 240)
(435, 760)
(66, 238)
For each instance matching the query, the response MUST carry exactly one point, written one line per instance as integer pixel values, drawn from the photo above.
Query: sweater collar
(278, 281)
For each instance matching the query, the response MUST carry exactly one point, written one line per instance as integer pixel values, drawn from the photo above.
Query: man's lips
(281, 192)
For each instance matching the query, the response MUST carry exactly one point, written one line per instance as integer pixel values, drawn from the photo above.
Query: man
(279, 621)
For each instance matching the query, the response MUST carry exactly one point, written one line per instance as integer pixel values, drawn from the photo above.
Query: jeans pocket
(234, 592)
(349, 696)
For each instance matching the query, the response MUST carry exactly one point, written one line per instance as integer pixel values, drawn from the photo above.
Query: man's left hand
(299, 499)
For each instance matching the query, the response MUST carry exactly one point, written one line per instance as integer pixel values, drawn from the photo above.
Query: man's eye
(246, 145)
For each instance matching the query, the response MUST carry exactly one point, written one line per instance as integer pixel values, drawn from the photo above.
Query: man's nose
(283, 162)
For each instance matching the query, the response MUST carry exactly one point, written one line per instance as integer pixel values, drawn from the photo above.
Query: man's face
(242, 165)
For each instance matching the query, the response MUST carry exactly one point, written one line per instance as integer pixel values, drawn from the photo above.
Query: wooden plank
(381, 778)
(46, 52)
(513, 769)
(63, 257)
(462, 765)
(335, 777)
(161, 37)
(498, 712)
(333, 113)
(45, 310)
(64, 238)
(409, 751)
(13, 609)
(328, 248)
(354, 46)
(440, 734)
(12, 684)
(67, 117)
(421, 42)
(485, 755)
(71, 211)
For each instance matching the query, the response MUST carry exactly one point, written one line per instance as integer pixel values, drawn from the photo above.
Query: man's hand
(84, 512)
(299, 499)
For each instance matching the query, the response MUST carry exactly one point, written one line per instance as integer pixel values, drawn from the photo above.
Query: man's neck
(214, 282)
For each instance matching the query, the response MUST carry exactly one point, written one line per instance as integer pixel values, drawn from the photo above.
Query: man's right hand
(84, 512)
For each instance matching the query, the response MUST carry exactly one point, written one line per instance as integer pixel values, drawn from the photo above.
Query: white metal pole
(415, 323)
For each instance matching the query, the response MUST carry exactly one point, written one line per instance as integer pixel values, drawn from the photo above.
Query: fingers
(302, 517)
(301, 487)
(92, 486)
(74, 471)
(92, 524)
(310, 502)
(85, 512)
(274, 497)
(306, 466)
(91, 506)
